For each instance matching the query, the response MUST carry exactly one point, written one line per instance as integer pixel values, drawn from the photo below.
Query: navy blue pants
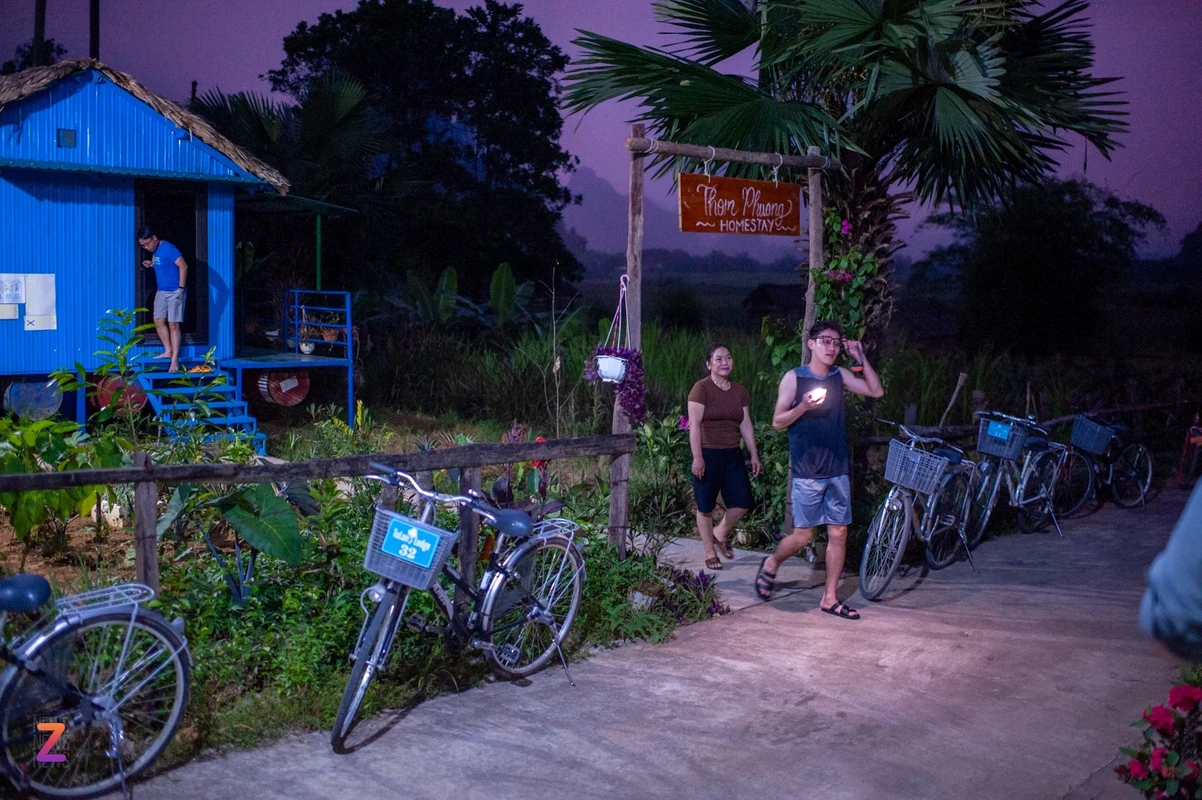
(725, 473)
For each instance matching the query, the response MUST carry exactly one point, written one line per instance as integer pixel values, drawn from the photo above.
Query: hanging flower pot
(611, 369)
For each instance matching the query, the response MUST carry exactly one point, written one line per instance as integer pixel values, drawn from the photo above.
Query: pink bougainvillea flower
(1191, 770)
(1162, 719)
(1157, 762)
(682, 422)
(1137, 769)
(1185, 698)
(845, 227)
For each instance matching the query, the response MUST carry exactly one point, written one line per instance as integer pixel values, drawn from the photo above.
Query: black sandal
(712, 563)
(765, 581)
(841, 610)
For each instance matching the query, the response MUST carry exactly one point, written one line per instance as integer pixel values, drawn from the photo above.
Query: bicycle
(522, 609)
(1109, 459)
(110, 675)
(930, 497)
(1005, 441)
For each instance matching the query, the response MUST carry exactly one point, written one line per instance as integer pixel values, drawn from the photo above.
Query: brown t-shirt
(723, 412)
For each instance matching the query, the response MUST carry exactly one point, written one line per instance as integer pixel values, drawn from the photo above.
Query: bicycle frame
(1015, 477)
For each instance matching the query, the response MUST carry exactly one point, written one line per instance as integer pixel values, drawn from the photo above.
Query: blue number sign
(999, 430)
(410, 542)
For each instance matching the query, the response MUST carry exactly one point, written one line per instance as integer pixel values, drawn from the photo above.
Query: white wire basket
(913, 468)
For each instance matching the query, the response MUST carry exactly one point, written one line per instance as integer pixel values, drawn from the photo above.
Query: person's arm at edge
(696, 414)
(748, 431)
(870, 384)
(183, 271)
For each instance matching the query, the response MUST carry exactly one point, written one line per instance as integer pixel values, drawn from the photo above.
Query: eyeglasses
(827, 341)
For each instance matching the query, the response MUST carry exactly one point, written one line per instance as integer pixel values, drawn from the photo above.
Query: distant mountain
(602, 216)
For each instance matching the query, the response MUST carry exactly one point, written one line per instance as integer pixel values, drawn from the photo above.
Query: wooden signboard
(732, 205)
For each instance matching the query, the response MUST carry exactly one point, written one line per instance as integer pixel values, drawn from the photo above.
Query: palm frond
(710, 30)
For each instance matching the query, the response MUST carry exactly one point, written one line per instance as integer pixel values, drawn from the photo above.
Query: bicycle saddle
(24, 593)
(1035, 443)
(513, 523)
(950, 455)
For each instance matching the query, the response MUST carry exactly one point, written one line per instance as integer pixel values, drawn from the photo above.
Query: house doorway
(178, 212)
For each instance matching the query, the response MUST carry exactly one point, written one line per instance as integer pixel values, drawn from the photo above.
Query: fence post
(469, 538)
(146, 517)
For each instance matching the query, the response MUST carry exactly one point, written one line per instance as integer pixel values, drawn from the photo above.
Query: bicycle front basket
(913, 468)
(1090, 436)
(1001, 439)
(407, 550)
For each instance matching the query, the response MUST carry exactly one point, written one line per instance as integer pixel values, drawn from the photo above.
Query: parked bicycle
(930, 497)
(1017, 454)
(109, 676)
(522, 608)
(1101, 454)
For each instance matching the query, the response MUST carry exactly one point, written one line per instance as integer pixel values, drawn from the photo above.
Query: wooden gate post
(469, 539)
(146, 517)
(619, 469)
(816, 235)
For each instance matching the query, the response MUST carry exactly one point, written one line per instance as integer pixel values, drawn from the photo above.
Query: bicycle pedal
(418, 623)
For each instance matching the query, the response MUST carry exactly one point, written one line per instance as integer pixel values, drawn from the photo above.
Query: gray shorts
(170, 305)
(821, 501)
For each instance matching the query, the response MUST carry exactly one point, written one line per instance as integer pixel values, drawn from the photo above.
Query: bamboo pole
(146, 544)
(469, 541)
(619, 469)
(959, 385)
(638, 144)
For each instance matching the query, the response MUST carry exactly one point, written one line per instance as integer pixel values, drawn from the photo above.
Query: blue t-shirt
(818, 440)
(165, 268)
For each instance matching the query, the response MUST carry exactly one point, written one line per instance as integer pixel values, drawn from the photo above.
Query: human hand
(812, 399)
(755, 466)
(147, 263)
(854, 348)
(699, 468)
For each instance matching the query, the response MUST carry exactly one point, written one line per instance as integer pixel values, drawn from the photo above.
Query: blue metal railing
(295, 321)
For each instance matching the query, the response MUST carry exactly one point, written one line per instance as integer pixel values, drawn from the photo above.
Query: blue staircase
(207, 398)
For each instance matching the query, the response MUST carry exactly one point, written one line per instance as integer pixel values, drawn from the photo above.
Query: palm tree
(946, 101)
(325, 145)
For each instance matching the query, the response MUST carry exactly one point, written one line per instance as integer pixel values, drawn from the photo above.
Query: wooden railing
(468, 459)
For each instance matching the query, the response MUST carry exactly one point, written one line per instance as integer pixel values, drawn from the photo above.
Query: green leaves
(266, 521)
(502, 294)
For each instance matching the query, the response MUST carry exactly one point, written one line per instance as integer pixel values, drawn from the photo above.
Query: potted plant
(308, 336)
(632, 394)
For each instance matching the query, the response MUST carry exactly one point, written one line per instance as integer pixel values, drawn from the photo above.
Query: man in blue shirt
(171, 272)
(1172, 605)
(809, 404)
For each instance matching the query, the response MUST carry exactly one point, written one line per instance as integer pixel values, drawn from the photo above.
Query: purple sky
(1155, 45)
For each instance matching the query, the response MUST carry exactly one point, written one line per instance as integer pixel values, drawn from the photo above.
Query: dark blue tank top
(818, 441)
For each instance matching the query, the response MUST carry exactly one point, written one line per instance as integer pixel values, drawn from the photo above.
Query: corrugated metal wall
(81, 228)
(113, 130)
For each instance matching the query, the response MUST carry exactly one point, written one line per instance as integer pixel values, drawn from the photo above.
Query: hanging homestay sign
(709, 204)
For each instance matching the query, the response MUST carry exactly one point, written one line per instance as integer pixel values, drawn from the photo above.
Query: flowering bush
(631, 392)
(1166, 765)
(839, 291)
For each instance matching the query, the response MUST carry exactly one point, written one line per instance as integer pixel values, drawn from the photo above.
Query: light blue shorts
(821, 501)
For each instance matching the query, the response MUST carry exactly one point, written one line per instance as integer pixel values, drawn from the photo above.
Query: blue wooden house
(87, 156)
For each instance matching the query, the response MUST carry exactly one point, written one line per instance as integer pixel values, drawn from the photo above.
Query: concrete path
(1017, 682)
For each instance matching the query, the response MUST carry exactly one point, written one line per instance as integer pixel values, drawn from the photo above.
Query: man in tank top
(809, 403)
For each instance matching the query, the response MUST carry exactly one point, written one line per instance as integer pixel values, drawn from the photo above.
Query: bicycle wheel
(530, 605)
(944, 544)
(984, 488)
(1132, 476)
(135, 671)
(1074, 484)
(367, 659)
(888, 535)
(1035, 493)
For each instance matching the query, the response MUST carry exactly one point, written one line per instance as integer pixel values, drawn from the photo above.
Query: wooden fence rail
(146, 476)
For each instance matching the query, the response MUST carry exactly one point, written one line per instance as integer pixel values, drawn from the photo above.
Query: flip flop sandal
(713, 563)
(841, 610)
(765, 581)
(724, 548)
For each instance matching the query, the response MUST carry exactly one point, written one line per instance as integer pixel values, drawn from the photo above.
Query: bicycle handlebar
(1027, 423)
(475, 504)
(914, 437)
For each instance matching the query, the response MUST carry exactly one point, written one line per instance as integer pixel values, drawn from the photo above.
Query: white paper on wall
(41, 322)
(39, 296)
(9, 311)
(12, 289)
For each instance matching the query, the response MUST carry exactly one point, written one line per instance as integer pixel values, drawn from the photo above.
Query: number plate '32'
(410, 543)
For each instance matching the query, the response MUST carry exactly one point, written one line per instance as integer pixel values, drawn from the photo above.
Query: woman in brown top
(718, 416)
